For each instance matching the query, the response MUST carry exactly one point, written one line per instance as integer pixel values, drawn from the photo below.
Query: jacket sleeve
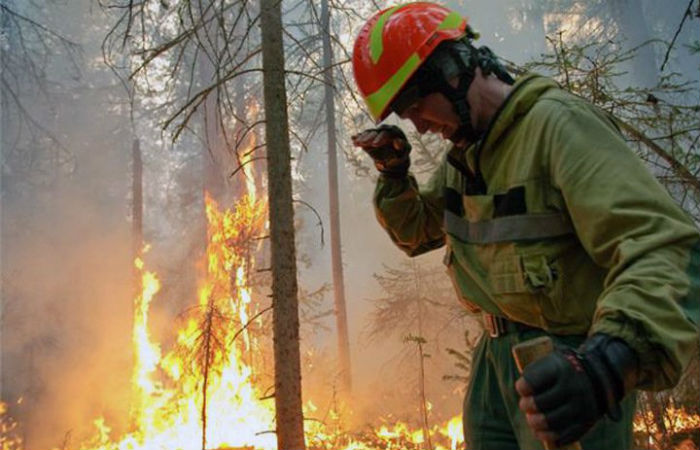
(630, 225)
(412, 216)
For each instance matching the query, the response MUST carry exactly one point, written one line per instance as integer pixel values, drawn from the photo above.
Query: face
(433, 114)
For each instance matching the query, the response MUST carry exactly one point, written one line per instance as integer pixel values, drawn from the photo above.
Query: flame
(675, 420)
(455, 431)
(146, 354)
(9, 436)
(168, 406)
(249, 151)
(168, 396)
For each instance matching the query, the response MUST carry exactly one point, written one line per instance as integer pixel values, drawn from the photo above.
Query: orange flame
(675, 420)
(168, 390)
(9, 436)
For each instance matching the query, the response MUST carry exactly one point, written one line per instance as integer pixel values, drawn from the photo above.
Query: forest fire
(205, 393)
(202, 392)
(208, 391)
(116, 114)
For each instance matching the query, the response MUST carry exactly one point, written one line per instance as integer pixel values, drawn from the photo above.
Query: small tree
(418, 300)
(423, 405)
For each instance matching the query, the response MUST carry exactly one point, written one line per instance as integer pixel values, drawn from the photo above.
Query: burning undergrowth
(211, 387)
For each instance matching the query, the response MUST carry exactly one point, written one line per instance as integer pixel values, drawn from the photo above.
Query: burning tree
(204, 389)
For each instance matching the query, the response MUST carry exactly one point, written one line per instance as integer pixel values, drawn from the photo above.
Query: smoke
(66, 248)
(66, 315)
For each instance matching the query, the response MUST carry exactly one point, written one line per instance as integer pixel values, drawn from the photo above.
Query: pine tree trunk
(289, 416)
(136, 227)
(4, 126)
(336, 254)
(214, 142)
(207, 366)
(423, 399)
(421, 356)
(137, 198)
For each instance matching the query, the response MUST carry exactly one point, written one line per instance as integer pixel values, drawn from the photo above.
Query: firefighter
(551, 226)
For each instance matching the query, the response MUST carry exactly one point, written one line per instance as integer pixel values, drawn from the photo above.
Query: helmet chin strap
(460, 61)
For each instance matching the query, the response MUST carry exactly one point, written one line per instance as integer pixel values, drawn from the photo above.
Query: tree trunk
(4, 126)
(137, 198)
(336, 253)
(417, 276)
(289, 416)
(208, 325)
(214, 142)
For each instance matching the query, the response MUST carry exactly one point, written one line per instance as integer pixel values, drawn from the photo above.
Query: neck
(485, 96)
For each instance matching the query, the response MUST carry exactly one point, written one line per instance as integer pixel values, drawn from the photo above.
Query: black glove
(575, 388)
(388, 147)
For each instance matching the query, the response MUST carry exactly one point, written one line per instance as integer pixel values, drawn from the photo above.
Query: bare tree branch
(688, 13)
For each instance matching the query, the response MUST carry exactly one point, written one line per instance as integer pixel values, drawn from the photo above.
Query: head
(418, 61)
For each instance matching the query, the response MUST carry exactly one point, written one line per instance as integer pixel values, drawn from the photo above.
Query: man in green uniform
(552, 226)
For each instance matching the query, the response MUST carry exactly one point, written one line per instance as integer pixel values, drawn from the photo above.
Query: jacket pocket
(521, 286)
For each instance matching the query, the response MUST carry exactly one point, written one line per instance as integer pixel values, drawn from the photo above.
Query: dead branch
(686, 14)
(676, 165)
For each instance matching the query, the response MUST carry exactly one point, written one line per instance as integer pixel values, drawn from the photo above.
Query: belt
(497, 326)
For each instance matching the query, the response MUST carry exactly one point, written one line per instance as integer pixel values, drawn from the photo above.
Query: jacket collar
(525, 93)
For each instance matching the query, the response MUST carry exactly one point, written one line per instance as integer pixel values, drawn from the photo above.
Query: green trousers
(492, 419)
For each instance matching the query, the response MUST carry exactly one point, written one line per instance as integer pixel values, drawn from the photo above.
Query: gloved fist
(388, 147)
(565, 393)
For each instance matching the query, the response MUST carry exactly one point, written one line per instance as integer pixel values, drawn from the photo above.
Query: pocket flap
(506, 276)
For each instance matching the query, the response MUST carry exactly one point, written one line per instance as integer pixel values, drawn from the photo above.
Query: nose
(414, 114)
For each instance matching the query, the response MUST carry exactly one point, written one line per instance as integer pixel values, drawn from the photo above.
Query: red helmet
(394, 43)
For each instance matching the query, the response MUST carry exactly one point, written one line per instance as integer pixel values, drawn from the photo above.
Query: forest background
(97, 95)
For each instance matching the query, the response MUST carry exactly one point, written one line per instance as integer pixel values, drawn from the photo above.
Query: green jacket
(559, 225)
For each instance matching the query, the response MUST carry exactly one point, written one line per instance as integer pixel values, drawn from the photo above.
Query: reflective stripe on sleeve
(508, 228)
